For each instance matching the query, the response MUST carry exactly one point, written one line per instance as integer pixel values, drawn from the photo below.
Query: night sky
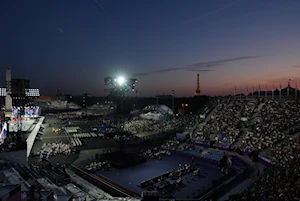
(74, 44)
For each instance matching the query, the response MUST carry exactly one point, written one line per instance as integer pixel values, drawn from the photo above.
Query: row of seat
(84, 135)
(72, 129)
(76, 142)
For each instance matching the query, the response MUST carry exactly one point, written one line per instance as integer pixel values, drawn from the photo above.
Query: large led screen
(28, 112)
(35, 111)
(14, 111)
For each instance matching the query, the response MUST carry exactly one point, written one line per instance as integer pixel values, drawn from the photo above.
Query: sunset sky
(74, 44)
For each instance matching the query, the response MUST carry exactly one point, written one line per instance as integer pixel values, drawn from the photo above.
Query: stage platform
(26, 125)
(122, 159)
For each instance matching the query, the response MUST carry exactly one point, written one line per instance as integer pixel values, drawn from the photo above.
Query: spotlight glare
(121, 80)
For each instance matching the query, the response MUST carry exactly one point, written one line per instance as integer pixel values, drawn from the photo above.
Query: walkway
(31, 138)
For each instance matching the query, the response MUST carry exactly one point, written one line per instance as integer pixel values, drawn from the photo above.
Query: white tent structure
(157, 112)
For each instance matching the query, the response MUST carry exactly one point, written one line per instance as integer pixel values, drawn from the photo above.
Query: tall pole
(234, 92)
(259, 91)
(288, 89)
(240, 92)
(280, 91)
(252, 91)
(266, 92)
(157, 96)
(273, 92)
(173, 97)
(296, 92)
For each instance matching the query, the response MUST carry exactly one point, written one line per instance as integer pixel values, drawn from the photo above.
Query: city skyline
(162, 44)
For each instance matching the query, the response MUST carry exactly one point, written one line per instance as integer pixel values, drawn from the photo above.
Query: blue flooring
(132, 177)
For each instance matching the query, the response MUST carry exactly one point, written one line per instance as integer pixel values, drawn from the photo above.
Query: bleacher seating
(84, 135)
(72, 129)
(76, 142)
(276, 119)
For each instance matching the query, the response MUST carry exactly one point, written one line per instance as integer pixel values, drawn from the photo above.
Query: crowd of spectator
(135, 126)
(101, 109)
(281, 182)
(9, 143)
(225, 118)
(58, 104)
(170, 144)
(275, 120)
(98, 165)
(222, 125)
(249, 109)
(142, 125)
(52, 149)
(155, 153)
(119, 137)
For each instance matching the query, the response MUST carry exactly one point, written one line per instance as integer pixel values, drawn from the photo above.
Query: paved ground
(49, 136)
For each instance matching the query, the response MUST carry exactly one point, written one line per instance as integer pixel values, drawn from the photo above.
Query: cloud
(201, 66)
(297, 66)
(60, 30)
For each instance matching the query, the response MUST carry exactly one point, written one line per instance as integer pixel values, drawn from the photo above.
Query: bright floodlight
(121, 80)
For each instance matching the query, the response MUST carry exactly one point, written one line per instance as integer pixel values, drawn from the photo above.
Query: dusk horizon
(164, 45)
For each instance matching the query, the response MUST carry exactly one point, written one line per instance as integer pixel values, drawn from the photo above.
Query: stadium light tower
(118, 86)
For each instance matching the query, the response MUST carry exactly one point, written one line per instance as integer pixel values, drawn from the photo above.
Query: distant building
(17, 92)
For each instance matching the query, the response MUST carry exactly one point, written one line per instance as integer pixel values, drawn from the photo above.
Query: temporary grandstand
(58, 105)
(101, 109)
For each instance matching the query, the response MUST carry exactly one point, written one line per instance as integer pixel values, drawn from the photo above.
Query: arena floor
(132, 177)
(49, 136)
